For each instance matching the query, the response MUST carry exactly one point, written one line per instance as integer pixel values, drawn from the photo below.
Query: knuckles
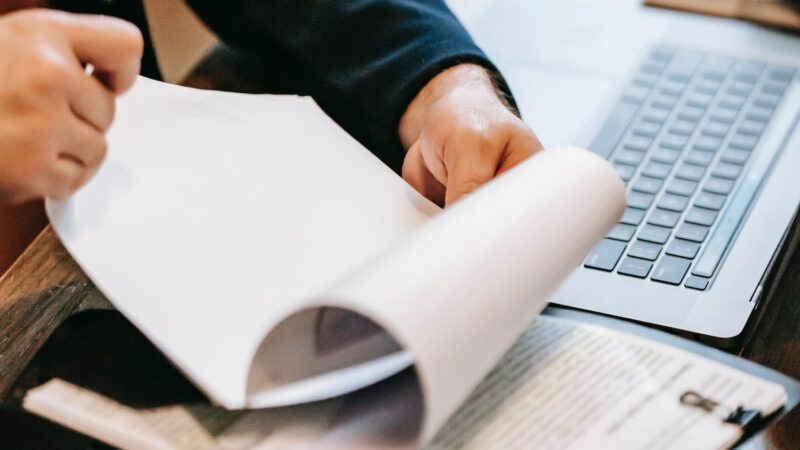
(27, 21)
(48, 74)
(134, 41)
(472, 132)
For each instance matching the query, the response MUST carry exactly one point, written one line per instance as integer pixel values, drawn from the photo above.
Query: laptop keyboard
(687, 137)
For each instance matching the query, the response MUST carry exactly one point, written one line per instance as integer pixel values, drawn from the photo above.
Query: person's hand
(53, 113)
(460, 134)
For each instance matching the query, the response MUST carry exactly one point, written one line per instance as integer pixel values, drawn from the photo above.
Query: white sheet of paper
(217, 216)
(566, 385)
(216, 213)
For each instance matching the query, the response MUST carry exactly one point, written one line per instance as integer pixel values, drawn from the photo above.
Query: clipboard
(751, 422)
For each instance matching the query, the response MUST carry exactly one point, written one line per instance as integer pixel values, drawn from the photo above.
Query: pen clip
(746, 419)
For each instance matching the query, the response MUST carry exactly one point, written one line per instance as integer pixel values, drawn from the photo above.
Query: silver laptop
(698, 116)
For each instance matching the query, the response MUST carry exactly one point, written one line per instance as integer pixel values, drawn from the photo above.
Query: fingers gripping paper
(276, 261)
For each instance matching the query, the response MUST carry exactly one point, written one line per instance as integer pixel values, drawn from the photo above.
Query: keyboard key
(692, 232)
(656, 170)
(701, 216)
(699, 158)
(727, 170)
(691, 114)
(682, 127)
(665, 155)
(666, 102)
(718, 64)
(774, 88)
(784, 74)
(690, 172)
(622, 232)
(672, 88)
(747, 71)
(646, 129)
(635, 267)
(671, 270)
(644, 79)
(674, 141)
(663, 218)
(718, 186)
(639, 143)
(710, 201)
(743, 142)
(759, 114)
(635, 94)
(735, 156)
(632, 216)
(673, 202)
(684, 249)
(605, 256)
(655, 115)
(682, 187)
(707, 143)
(652, 68)
(746, 77)
(767, 101)
(661, 53)
(724, 115)
(655, 234)
(751, 127)
(645, 250)
(629, 157)
(732, 102)
(709, 87)
(748, 67)
(624, 171)
(713, 75)
(640, 200)
(740, 89)
(683, 64)
(647, 185)
(699, 100)
(609, 135)
(716, 129)
(698, 283)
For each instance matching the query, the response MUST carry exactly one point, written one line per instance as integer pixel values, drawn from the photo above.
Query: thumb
(521, 147)
(416, 173)
(468, 169)
(114, 47)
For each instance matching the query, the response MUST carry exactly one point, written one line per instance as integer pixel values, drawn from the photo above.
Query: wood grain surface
(41, 290)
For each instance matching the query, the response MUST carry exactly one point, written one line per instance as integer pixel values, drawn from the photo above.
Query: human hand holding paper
(460, 134)
(54, 115)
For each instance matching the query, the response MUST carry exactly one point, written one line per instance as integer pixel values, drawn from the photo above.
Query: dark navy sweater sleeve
(363, 61)
(367, 59)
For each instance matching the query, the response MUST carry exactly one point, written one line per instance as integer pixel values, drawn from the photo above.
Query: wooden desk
(45, 286)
